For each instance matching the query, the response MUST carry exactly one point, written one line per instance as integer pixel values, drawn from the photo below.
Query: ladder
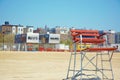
(106, 64)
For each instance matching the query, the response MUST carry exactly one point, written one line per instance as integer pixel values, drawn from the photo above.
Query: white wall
(32, 38)
(54, 38)
(64, 30)
(30, 30)
(14, 29)
(62, 46)
(20, 30)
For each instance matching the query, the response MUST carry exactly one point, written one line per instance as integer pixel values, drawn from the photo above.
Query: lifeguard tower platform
(96, 66)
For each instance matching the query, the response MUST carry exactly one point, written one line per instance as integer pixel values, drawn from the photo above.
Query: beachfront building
(54, 38)
(110, 37)
(38, 30)
(61, 30)
(0, 28)
(6, 28)
(28, 29)
(18, 29)
(12, 29)
(117, 38)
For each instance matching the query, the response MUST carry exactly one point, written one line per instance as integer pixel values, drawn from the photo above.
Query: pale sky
(89, 14)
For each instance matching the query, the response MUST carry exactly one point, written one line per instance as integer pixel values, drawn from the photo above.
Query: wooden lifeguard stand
(96, 66)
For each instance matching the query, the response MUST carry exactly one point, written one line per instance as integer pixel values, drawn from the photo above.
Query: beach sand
(40, 65)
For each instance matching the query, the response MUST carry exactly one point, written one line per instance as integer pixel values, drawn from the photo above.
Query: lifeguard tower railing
(93, 63)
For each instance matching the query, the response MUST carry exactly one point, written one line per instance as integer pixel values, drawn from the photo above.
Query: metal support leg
(69, 65)
(81, 64)
(110, 57)
(96, 63)
(74, 58)
(102, 65)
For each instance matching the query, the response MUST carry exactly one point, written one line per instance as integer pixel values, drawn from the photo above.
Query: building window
(32, 38)
(18, 29)
(3, 29)
(52, 38)
(13, 28)
(30, 30)
(8, 29)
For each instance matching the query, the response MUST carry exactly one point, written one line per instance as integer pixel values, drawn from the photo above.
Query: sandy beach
(40, 65)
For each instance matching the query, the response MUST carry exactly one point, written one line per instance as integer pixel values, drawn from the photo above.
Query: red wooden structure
(102, 56)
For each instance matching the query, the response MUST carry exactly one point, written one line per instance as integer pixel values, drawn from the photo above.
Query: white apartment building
(61, 30)
(28, 29)
(18, 29)
(14, 29)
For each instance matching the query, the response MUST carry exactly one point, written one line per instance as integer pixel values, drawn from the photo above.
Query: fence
(32, 47)
(29, 47)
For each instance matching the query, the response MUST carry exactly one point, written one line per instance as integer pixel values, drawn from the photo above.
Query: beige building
(111, 37)
(15, 29)
(61, 30)
(28, 29)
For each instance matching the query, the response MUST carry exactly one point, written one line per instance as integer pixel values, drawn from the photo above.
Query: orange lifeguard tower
(92, 67)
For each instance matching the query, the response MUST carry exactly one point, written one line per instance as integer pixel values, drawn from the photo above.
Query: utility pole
(3, 40)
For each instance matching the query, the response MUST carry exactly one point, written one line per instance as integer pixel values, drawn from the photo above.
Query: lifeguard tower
(93, 63)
